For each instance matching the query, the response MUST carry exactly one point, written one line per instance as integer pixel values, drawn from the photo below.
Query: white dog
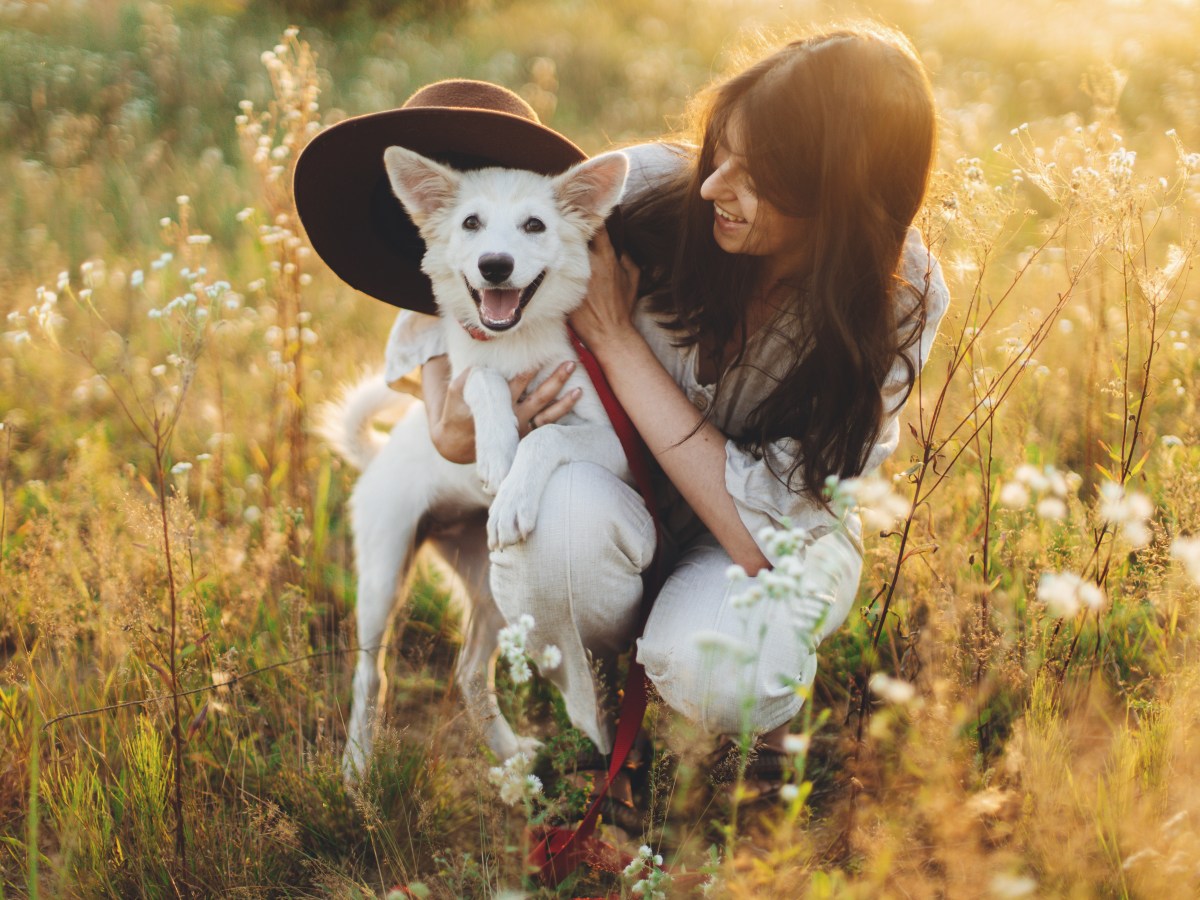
(507, 252)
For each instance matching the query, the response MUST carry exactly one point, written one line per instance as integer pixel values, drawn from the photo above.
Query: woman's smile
(727, 219)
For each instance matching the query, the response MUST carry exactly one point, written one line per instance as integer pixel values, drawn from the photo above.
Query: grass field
(176, 581)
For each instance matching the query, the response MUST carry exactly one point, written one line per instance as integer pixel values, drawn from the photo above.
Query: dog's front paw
(512, 516)
(493, 466)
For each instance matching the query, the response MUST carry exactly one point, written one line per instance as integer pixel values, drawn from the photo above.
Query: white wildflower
(1051, 508)
(1014, 495)
(516, 782)
(788, 793)
(647, 868)
(1056, 481)
(181, 468)
(549, 659)
(1090, 595)
(1064, 593)
(1011, 887)
(879, 504)
(718, 642)
(514, 647)
(1187, 551)
(1129, 510)
(796, 744)
(892, 690)
(1031, 477)
(251, 514)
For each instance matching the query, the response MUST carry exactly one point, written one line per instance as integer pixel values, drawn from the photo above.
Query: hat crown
(464, 93)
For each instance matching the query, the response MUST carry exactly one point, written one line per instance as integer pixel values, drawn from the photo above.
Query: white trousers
(725, 667)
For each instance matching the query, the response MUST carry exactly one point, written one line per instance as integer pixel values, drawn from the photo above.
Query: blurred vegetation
(1044, 756)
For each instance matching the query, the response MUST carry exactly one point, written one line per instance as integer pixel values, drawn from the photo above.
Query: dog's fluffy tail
(348, 424)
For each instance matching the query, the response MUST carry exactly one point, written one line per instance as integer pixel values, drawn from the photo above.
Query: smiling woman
(782, 309)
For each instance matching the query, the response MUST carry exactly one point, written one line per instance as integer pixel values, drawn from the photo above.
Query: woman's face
(743, 222)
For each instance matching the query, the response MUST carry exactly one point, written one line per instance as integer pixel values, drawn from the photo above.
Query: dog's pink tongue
(499, 307)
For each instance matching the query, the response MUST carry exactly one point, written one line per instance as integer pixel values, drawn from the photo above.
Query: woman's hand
(606, 313)
(451, 425)
(543, 404)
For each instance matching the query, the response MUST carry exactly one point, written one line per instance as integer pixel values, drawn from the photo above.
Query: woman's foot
(587, 776)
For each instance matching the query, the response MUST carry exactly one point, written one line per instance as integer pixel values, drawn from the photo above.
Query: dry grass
(1042, 754)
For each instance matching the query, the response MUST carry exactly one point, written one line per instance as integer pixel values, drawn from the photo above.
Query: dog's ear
(421, 184)
(593, 187)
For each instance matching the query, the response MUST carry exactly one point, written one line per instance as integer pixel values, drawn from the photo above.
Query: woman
(782, 310)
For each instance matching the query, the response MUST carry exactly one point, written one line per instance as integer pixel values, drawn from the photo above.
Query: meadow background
(168, 517)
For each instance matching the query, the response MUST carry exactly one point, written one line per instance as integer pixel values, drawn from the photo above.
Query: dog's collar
(476, 333)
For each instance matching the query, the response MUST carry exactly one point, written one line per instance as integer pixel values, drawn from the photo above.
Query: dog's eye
(471, 223)
(534, 226)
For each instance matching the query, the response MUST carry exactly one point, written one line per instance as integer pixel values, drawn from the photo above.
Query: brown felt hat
(345, 201)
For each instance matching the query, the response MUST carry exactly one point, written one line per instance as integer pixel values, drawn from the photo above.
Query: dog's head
(495, 238)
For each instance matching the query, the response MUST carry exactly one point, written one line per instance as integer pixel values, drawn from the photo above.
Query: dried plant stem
(4, 493)
(984, 627)
(162, 436)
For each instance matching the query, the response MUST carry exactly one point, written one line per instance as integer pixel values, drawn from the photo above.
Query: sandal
(591, 766)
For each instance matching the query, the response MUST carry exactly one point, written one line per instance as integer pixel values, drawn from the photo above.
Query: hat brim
(346, 204)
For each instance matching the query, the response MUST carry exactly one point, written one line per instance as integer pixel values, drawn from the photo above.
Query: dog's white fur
(408, 492)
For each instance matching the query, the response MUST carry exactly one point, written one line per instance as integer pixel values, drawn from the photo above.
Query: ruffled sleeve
(415, 339)
(650, 165)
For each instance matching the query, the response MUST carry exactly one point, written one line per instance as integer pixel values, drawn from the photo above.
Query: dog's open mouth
(500, 308)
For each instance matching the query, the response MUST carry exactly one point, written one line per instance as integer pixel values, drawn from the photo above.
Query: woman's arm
(451, 425)
(690, 451)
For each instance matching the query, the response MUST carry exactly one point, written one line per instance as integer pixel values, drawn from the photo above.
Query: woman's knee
(732, 667)
(730, 685)
(593, 536)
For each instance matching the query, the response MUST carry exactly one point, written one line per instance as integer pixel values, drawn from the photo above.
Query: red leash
(557, 852)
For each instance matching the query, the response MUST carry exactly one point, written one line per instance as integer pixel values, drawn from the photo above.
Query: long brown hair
(838, 128)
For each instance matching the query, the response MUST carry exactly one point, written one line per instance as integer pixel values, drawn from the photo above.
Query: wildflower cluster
(892, 690)
(44, 313)
(1187, 551)
(1129, 511)
(201, 300)
(1065, 593)
(871, 496)
(274, 138)
(514, 641)
(651, 879)
(516, 782)
(791, 581)
(1048, 486)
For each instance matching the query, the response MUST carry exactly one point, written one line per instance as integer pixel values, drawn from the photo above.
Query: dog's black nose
(496, 267)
